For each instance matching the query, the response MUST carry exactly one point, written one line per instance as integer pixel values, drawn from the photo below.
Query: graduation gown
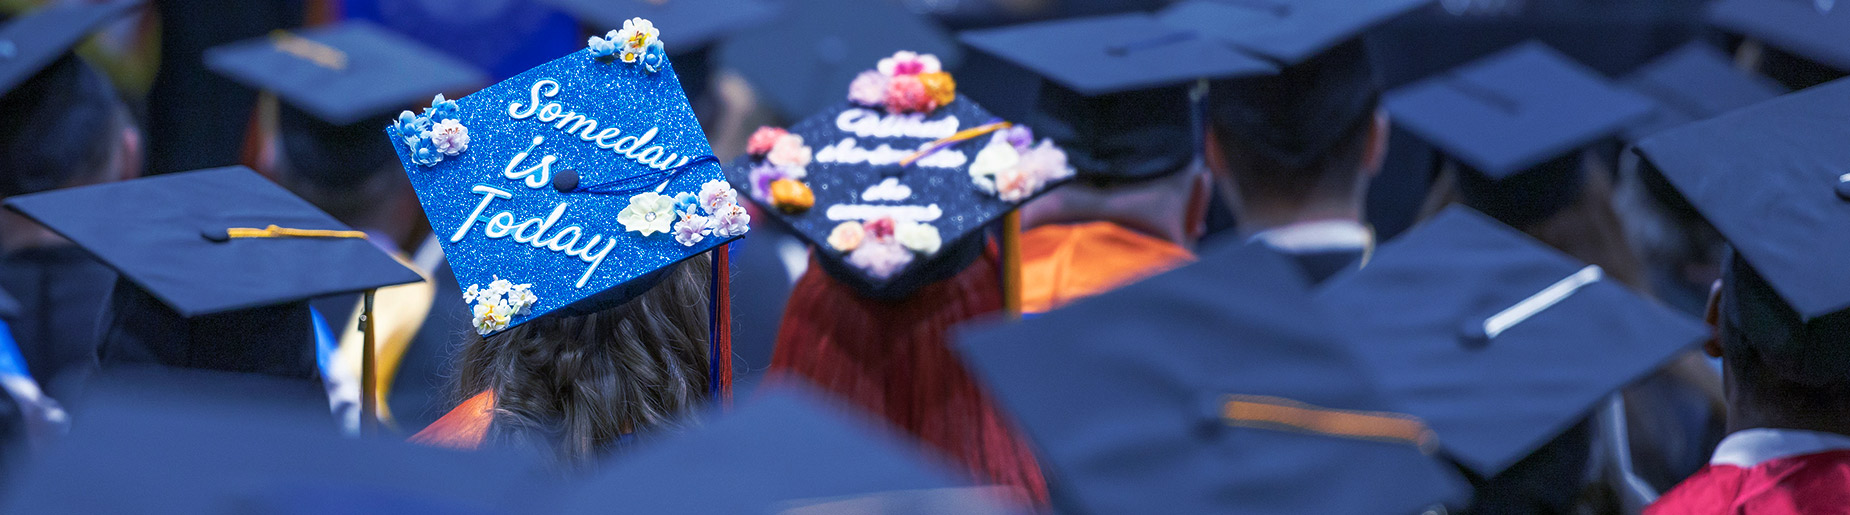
(1321, 249)
(463, 428)
(419, 393)
(61, 292)
(1767, 471)
(1064, 263)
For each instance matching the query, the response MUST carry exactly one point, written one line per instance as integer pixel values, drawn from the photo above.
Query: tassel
(719, 329)
(1011, 265)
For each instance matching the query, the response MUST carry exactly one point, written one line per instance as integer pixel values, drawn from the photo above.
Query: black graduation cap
(1514, 120)
(693, 23)
(1286, 32)
(344, 73)
(1813, 29)
(32, 41)
(216, 265)
(800, 59)
(788, 451)
(1692, 83)
(1218, 387)
(895, 191)
(1495, 339)
(1774, 179)
(1115, 92)
(219, 451)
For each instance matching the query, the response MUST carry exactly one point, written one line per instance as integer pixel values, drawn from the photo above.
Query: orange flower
(939, 87)
(791, 196)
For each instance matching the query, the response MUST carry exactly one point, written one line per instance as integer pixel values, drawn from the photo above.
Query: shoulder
(463, 428)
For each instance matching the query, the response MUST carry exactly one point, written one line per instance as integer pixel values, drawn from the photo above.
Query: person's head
(1299, 145)
(1173, 207)
(350, 171)
(1781, 370)
(64, 127)
(583, 383)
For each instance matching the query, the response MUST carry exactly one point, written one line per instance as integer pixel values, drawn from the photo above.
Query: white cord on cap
(1536, 303)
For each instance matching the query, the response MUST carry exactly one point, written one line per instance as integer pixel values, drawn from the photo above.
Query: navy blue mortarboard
(1218, 387)
(567, 187)
(1692, 83)
(1115, 92)
(1496, 340)
(694, 23)
(1286, 32)
(1514, 121)
(786, 452)
(32, 41)
(345, 73)
(1812, 29)
(893, 185)
(800, 59)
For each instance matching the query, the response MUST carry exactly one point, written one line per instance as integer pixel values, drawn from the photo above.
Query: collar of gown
(1752, 447)
(1316, 236)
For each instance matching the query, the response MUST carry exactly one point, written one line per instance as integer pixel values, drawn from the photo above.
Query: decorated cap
(1285, 32)
(32, 41)
(798, 60)
(344, 73)
(566, 187)
(788, 451)
(1692, 83)
(1497, 341)
(1812, 29)
(1218, 387)
(1515, 120)
(693, 23)
(1115, 93)
(894, 184)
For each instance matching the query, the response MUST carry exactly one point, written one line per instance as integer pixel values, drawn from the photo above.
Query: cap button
(565, 181)
(1843, 186)
(218, 235)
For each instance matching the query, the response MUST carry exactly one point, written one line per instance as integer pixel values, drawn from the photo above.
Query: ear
(1712, 315)
(1376, 152)
(129, 155)
(1200, 195)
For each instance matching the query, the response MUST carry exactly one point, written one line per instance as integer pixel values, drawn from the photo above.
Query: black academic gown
(760, 287)
(421, 391)
(1319, 266)
(61, 291)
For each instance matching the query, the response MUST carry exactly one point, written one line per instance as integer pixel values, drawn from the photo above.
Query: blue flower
(601, 47)
(655, 58)
(441, 110)
(424, 152)
(686, 201)
(408, 126)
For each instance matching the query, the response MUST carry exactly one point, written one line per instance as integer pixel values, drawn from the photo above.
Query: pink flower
(1015, 185)
(909, 63)
(691, 229)
(789, 151)
(868, 89)
(905, 94)
(717, 194)
(880, 229)
(450, 137)
(880, 259)
(1045, 163)
(729, 221)
(762, 140)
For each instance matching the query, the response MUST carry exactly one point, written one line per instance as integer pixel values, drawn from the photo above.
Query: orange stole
(463, 428)
(1064, 263)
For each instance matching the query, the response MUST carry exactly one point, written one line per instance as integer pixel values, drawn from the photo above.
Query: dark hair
(342, 169)
(1763, 337)
(583, 383)
(1302, 133)
(61, 128)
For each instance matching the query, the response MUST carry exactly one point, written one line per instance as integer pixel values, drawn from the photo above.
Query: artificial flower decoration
(777, 155)
(789, 152)
(648, 213)
(434, 135)
(637, 43)
(498, 304)
(716, 194)
(906, 62)
(940, 87)
(691, 228)
(907, 82)
(906, 94)
(880, 258)
(791, 196)
(918, 237)
(883, 246)
(847, 236)
(763, 140)
(1012, 168)
(868, 89)
(731, 220)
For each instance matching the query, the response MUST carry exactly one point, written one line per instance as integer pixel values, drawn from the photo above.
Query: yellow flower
(939, 87)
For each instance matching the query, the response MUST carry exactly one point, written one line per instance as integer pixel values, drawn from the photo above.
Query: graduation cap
(343, 73)
(694, 23)
(1812, 29)
(800, 59)
(787, 451)
(1774, 180)
(1497, 341)
(571, 187)
(1692, 83)
(1115, 92)
(216, 266)
(1218, 387)
(894, 184)
(1514, 121)
(32, 41)
(1286, 32)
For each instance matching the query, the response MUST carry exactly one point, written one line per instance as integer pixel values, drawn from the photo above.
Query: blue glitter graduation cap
(30, 42)
(344, 73)
(1693, 83)
(1218, 387)
(1813, 29)
(564, 188)
(1496, 340)
(894, 185)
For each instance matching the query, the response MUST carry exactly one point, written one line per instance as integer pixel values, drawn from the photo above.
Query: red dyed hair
(894, 359)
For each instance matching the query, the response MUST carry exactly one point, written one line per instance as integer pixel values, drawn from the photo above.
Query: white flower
(499, 287)
(996, 158)
(635, 38)
(919, 237)
(491, 317)
(731, 220)
(450, 136)
(521, 299)
(1015, 185)
(469, 295)
(880, 259)
(648, 213)
(909, 63)
(789, 152)
(691, 229)
(717, 194)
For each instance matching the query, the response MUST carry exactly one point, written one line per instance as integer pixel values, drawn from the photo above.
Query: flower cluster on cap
(433, 135)
(691, 217)
(907, 82)
(1012, 167)
(498, 304)
(883, 246)
(637, 43)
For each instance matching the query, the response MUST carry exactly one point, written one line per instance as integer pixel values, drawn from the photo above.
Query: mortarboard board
(694, 23)
(567, 187)
(1808, 28)
(1115, 93)
(1215, 387)
(1692, 83)
(1286, 32)
(799, 60)
(1496, 340)
(786, 450)
(1514, 120)
(894, 189)
(32, 41)
(345, 73)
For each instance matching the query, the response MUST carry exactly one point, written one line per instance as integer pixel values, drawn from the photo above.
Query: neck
(1752, 408)
(1256, 217)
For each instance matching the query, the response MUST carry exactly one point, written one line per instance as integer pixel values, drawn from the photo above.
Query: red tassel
(723, 267)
